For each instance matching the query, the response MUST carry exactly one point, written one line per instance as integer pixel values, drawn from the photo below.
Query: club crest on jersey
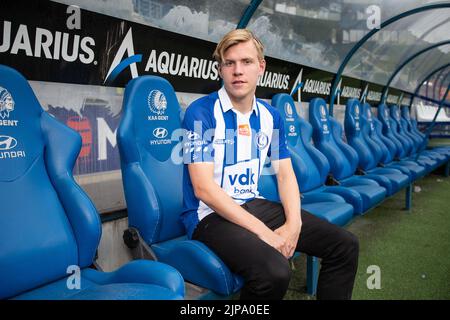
(261, 140)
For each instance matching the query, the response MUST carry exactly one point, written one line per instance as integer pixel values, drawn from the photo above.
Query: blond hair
(234, 37)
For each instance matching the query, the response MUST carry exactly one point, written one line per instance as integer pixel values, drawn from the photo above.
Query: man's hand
(275, 240)
(290, 233)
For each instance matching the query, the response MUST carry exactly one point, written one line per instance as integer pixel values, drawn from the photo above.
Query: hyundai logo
(7, 143)
(160, 133)
(191, 135)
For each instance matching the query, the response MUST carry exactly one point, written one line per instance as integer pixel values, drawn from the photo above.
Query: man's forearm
(290, 198)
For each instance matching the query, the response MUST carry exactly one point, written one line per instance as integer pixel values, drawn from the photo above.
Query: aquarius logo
(7, 143)
(6, 103)
(118, 65)
(157, 102)
(160, 133)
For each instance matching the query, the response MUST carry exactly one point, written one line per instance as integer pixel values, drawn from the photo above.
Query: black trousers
(266, 271)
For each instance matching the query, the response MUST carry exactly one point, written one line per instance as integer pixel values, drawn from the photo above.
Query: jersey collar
(227, 105)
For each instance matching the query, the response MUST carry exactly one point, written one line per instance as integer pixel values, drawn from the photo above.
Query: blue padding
(310, 166)
(328, 206)
(357, 130)
(136, 280)
(210, 272)
(400, 127)
(378, 142)
(57, 225)
(441, 156)
(401, 147)
(148, 138)
(343, 159)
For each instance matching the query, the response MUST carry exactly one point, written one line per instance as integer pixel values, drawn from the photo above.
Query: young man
(230, 134)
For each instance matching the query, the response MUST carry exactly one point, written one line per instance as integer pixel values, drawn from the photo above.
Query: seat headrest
(21, 140)
(366, 111)
(383, 114)
(152, 105)
(318, 113)
(395, 113)
(405, 113)
(353, 112)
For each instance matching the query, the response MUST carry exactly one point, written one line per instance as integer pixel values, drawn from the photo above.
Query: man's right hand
(276, 241)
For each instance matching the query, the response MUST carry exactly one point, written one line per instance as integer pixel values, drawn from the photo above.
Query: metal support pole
(248, 14)
(408, 196)
(312, 274)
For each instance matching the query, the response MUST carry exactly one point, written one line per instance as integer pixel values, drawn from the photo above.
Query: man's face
(240, 70)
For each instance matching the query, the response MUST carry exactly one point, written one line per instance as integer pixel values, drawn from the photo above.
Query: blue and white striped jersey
(238, 145)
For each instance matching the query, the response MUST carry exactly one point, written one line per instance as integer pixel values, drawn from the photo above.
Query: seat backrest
(399, 130)
(418, 140)
(311, 167)
(152, 168)
(375, 139)
(327, 136)
(388, 131)
(356, 131)
(47, 223)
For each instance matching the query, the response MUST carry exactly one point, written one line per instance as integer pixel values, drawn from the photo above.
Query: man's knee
(271, 279)
(349, 244)
(279, 271)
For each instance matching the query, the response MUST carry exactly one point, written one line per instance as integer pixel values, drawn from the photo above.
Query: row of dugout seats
(333, 174)
(57, 226)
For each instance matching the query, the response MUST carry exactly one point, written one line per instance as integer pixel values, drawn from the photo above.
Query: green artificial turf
(411, 248)
(439, 142)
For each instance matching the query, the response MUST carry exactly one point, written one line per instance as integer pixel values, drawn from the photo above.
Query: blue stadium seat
(379, 143)
(49, 228)
(327, 136)
(388, 135)
(420, 139)
(357, 131)
(408, 143)
(148, 137)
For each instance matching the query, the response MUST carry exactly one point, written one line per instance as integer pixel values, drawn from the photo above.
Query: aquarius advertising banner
(79, 61)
